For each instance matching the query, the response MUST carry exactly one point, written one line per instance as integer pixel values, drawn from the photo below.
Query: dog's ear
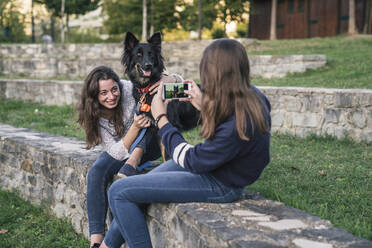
(130, 41)
(155, 39)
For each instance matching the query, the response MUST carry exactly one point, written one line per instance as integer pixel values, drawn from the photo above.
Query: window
(301, 5)
(290, 6)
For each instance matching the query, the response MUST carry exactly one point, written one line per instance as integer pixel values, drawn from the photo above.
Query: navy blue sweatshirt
(231, 160)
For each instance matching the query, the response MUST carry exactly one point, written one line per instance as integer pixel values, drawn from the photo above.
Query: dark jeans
(167, 183)
(99, 176)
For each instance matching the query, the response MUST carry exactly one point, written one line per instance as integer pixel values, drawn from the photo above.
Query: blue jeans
(167, 183)
(99, 176)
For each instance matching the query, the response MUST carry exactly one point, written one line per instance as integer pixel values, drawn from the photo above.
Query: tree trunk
(67, 27)
(274, 4)
(32, 22)
(368, 11)
(352, 27)
(144, 20)
(62, 22)
(152, 18)
(200, 20)
(52, 27)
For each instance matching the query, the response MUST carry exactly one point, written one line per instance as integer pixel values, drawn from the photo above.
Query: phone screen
(175, 90)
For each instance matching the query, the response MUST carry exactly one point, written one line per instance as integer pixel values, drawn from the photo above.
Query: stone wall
(335, 112)
(52, 170)
(298, 111)
(76, 61)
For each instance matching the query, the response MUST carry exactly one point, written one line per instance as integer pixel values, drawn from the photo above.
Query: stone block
(332, 115)
(358, 118)
(285, 224)
(340, 132)
(343, 100)
(312, 103)
(277, 119)
(293, 104)
(304, 243)
(306, 120)
(367, 136)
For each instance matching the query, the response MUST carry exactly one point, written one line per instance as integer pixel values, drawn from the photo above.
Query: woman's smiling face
(109, 93)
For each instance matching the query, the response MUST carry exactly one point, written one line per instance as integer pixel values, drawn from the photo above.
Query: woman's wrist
(136, 128)
(161, 120)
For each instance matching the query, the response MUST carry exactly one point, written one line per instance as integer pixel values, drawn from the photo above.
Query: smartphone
(175, 90)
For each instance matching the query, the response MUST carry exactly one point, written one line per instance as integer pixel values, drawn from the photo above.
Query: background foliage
(11, 22)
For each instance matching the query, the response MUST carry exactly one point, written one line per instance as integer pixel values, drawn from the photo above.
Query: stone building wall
(76, 61)
(298, 111)
(50, 169)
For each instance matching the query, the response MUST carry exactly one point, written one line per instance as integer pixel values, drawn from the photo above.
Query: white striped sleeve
(180, 152)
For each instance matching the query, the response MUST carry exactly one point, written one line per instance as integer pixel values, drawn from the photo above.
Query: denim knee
(114, 190)
(104, 166)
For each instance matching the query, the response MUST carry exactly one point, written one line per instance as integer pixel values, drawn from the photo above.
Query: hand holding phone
(195, 95)
(175, 90)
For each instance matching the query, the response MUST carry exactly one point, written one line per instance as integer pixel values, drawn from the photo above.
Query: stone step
(51, 169)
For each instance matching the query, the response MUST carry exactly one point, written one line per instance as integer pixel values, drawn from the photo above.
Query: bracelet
(158, 119)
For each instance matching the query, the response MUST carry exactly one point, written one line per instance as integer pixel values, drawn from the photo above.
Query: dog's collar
(144, 90)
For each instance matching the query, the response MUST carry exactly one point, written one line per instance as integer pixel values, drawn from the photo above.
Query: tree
(77, 7)
(200, 19)
(152, 30)
(191, 12)
(126, 15)
(274, 4)
(11, 22)
(144, 20)
(352, 27)
(62, 22)
(231, 10)
(32, 22)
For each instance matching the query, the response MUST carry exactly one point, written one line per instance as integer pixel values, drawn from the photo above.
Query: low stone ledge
(295, 110)
(77, 60)
(50, 169)
(49, 92)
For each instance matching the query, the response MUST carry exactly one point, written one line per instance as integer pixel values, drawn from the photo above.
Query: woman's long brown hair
(90, 110)
(225, 82)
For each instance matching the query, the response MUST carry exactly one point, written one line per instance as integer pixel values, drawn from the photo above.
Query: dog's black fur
(144, 65)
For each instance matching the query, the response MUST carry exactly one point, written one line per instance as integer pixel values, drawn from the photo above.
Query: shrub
(218, 33)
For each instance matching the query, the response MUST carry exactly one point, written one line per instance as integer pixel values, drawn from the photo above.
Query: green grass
(328, 178)
(323, 176)
(50, 119)
(349, 62)
(26, 225)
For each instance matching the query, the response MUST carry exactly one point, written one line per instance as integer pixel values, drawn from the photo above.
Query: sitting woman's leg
(127, 194)
(152, 148)
(99, 176)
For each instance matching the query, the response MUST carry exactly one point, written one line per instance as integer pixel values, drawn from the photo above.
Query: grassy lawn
(323, 176)
(25, 225)
(349, 62)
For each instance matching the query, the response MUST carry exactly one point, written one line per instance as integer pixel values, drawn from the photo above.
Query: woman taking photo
(236, 129)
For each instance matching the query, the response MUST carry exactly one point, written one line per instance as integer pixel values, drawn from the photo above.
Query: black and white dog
(144, 65)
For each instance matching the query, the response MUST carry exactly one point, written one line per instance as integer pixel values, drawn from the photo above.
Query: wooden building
(308, 18)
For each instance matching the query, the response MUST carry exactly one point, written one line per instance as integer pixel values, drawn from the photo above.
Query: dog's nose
(148, 66)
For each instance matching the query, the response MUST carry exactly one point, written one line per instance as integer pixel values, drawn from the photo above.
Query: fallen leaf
(294, 168)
